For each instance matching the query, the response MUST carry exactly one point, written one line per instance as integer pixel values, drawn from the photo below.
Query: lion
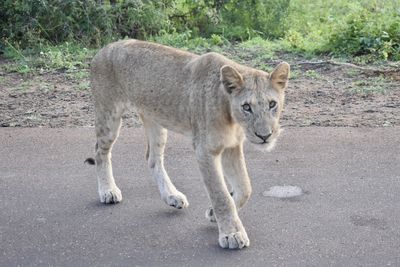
(216, 102)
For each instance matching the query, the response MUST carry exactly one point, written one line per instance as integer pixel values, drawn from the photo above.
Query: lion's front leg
(235, 172)
(231, 231)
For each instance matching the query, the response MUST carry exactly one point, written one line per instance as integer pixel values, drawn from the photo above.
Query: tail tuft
(90, 161)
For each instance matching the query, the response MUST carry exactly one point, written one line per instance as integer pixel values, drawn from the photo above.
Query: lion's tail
(90, 161)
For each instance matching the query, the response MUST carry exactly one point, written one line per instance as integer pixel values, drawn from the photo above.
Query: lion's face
(258, 110)
(257, 102)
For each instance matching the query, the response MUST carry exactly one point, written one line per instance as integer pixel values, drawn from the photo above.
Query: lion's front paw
(236, 240)
(177, 200)
(110, 196)
(210, 215)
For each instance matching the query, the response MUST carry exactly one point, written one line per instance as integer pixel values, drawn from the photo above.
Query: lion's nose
(264, 137)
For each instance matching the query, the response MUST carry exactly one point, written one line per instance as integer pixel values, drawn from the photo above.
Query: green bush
(54, 21)
(368, 28)
(199, 17)
(27, 23)
(138, 19)
(235, 20)
(369, 32)
(87, 21)
(351, 28)
(241, 20)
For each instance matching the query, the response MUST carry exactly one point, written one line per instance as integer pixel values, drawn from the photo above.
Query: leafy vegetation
(369, 33)
(66, 56)
(368, 28)
(51, 34)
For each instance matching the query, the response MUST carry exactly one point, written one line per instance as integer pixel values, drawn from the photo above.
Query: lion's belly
(174, 125)
(179, 123)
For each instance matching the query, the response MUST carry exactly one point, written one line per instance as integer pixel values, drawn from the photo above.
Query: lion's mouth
(262, 143)
(266, 145)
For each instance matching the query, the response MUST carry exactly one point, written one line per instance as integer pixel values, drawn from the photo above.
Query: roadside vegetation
(345, 55)
(49, 35)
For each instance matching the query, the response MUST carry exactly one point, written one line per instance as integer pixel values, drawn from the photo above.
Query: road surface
(348, 216)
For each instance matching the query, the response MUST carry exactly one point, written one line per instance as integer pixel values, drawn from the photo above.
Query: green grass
(84, 85)
(312, 74)
(372, 85)
(295, 74)
(258, 51)
(79, 74)
(186, 41)
(3, 79)
(24, 86)
(68, 56)
(352, 72)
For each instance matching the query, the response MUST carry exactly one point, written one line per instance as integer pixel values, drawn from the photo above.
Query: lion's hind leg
(157, 138)
(108, 123)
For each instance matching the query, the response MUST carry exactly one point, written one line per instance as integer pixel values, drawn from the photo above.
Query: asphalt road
(349, 216)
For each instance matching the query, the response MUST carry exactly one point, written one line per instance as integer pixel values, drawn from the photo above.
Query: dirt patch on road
(322, 95)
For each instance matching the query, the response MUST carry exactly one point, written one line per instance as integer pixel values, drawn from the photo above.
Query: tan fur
(215, 101)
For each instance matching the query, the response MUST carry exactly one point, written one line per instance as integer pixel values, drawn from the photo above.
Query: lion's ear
(231, 79)
(280, 76)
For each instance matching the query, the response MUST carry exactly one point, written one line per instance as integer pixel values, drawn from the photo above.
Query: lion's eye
(246, 107)
(272, 104)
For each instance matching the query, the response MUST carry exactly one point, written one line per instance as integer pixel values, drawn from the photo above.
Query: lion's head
(257, 100)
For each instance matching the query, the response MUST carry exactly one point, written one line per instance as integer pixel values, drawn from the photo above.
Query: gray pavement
(349, 216)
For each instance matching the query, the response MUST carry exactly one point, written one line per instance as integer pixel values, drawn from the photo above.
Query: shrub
(26, 23)
(342, 27)
(369, 32)
(138, 19)
(54, 21)
(245, 19)
(199, 17)
(352, 28)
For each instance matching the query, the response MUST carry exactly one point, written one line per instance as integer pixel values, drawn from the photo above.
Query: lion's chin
(268, 146)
